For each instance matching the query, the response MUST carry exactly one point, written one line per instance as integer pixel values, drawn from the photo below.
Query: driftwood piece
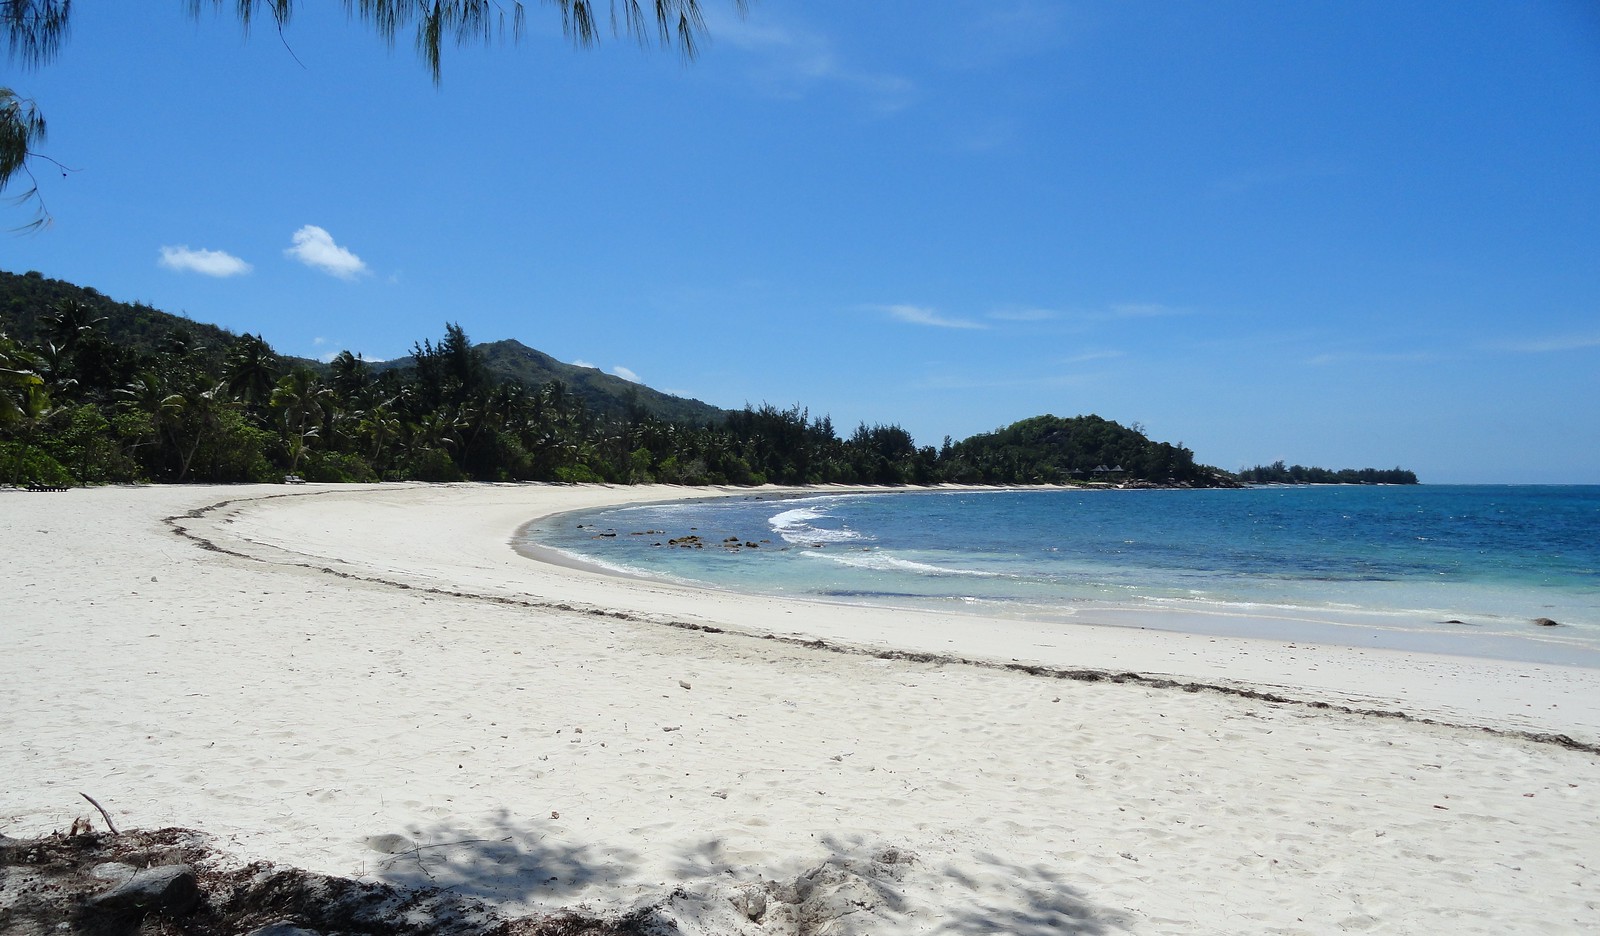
(103, 814)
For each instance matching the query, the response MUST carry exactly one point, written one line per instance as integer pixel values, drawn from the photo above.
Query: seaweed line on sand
(939, 659)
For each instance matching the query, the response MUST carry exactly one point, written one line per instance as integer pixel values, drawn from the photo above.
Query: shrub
(21, 464)
(338, 468)
(578, 474)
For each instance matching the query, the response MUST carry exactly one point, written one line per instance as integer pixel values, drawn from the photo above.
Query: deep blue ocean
(1456, 569)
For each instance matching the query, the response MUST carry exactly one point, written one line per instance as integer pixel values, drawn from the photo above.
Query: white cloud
(582, 363)
(1145, 310)
(918, 315)
(1088, 356)
(1023, 315)
(794, 60)
(626, 374)
(1372, 357)
(1556, 344)
(1275, 178)
(314, 247)
(205, 262)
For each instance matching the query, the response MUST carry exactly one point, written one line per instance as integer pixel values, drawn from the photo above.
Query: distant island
(96, 391)
(1278, 473)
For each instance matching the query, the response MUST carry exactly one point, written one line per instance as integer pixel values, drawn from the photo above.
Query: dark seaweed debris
(59, 883)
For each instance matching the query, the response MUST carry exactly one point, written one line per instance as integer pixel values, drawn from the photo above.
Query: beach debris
(103, 814)
(171, 890)
(673, 728)
(1546, 622)
(60, 884)
(282, 928)
(684, 684)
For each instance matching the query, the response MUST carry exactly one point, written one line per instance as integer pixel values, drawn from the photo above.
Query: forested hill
(1053, 450)
(605, 394)
(95, 391)
(28, 302)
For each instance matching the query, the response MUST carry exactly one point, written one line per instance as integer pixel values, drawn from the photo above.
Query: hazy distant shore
(320, 675)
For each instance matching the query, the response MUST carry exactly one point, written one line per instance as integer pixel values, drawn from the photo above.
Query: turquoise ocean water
(1454, 569)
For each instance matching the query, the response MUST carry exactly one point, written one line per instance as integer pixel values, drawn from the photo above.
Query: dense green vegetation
(1278, 473)
(95, 391)
(1048, 450)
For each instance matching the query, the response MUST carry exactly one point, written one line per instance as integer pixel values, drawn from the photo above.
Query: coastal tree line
(80, 405)
(1279, 473)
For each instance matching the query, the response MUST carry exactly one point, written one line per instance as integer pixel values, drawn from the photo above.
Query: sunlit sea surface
(1452, 569)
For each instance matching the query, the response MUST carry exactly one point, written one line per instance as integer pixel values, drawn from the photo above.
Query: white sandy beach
(352, 672)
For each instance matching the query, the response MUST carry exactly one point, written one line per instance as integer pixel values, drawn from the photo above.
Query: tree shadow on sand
(503, 858)
(1025, 901)
(859, 887)
(854, 887)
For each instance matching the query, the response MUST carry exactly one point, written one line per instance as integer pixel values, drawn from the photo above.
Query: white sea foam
(588, 559)
(878, 561)
(795, 526)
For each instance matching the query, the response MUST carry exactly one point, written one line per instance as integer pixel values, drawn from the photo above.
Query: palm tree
(378, 427)
(299, 399)
(252, 369)
(181, 421)
(22, 389)
(349, 375)
(71, 322)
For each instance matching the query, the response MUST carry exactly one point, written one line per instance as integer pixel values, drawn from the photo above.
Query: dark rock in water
(1452, 621)
(1546, 622)
(171, 890)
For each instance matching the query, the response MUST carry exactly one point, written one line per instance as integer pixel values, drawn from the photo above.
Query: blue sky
(1343, 234)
